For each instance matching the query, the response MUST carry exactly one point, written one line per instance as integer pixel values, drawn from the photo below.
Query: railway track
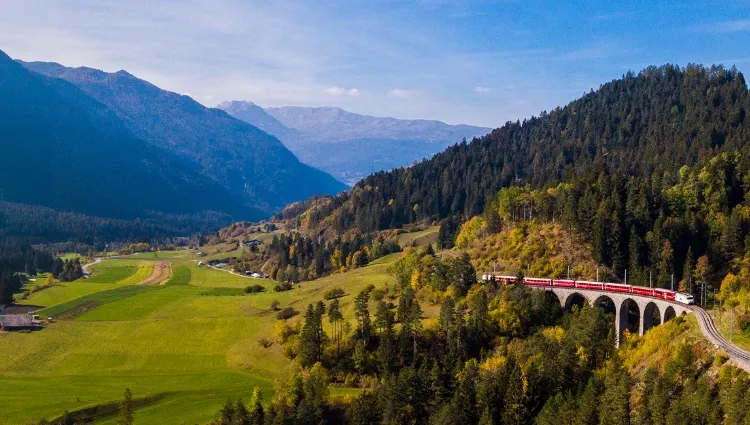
(738, 356)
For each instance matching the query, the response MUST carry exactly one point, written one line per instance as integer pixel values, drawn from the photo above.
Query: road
(85, 267)
(737, 355)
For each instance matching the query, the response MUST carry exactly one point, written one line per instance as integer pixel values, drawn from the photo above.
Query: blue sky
(475, 62)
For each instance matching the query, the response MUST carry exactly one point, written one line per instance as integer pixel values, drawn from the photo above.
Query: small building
(251, 243)
(19, 322)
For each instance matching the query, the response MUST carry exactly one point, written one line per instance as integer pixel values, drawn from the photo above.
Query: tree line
(294, 257)
(16, 258)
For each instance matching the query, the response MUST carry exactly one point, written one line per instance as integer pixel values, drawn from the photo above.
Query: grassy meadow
(182, 347)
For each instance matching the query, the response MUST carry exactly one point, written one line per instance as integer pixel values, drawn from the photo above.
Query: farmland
(182, 347)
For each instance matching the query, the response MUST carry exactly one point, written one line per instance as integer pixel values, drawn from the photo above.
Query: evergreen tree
(126, 415)
(362, 313)
(256, 415)
(615, 402)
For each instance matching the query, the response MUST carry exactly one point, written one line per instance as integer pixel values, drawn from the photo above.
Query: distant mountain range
(351, 146)
(258, 171)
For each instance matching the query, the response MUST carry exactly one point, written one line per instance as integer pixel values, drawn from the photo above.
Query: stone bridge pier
(633, 312)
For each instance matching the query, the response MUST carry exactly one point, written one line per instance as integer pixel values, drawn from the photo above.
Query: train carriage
(586, 284)
(537, 282)
(642, 290)
(564, 283)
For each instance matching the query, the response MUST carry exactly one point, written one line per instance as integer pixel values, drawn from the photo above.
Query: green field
(183, 347)
(421, 237)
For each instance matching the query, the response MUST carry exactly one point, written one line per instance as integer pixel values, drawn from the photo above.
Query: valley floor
(182, 348)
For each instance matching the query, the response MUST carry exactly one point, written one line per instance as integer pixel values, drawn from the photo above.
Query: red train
(599, 286)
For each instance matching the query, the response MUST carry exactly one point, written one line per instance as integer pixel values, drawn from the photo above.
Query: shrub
(291, 348)
(378, 294)
(286, 313)
(283, 287)
(333, 293)
(275, 305)
(284, 332)
(252, 289)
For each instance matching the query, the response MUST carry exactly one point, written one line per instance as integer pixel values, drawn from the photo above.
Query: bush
(286, 313)
(283, 287)
(283, 331)
(252, 289)
(275, 305)
(378, 294)
(333, 293)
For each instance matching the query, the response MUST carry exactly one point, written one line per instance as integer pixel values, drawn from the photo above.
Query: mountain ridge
(351, 146)
(256, 168)
(64, 150)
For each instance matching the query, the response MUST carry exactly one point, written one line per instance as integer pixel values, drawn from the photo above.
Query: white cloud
(481, 90)
(400, 93)
(338, 91)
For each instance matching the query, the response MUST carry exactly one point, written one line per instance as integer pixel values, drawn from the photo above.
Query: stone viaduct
(633, 312)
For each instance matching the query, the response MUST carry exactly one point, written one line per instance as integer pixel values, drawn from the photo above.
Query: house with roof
(19, 322)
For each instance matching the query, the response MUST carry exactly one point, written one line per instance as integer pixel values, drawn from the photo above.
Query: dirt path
(85, 267)
(162, 271)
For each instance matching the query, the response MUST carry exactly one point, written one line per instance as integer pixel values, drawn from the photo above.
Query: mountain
(64, 150)
(257, 116)
(644, 126)
(256, 169)
(335, 124)
(351, 146)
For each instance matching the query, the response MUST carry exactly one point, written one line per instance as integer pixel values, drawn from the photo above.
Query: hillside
(256, 169)
(351, 146)
(641, 125)
(63, 150)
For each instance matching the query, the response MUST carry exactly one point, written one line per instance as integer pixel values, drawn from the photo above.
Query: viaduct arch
(633, 312)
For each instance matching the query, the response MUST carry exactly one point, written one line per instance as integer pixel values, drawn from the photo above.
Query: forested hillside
(642, 126)
(652, 170)
(63, 150)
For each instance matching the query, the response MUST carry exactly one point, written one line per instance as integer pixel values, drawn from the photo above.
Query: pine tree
(334, 317)
(227, 413)
(256, 415)
(362, 313)
(386, 353)
(241, 415)
(587, 412)
(312, 336)
(126, 415)
(615, 402)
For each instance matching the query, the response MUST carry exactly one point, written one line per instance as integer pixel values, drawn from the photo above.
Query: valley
(169, 255)
(182, 347)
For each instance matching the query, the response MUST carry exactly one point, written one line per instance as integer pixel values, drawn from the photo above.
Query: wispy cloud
(738, 25)
(481, 90)
(338, 91)
(400, 93)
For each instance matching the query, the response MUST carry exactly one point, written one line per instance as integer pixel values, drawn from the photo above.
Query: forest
(293, 257)
(642, 125)
(681, 229)
(497, 355)
(16, 258)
